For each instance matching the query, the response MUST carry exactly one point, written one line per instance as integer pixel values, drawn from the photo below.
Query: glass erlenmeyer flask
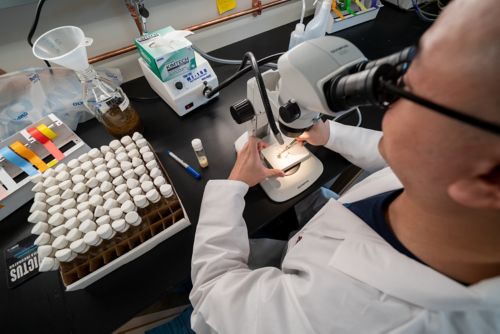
(109, 104)
(66, 46)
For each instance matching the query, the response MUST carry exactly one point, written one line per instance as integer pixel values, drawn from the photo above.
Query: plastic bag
(31, 94)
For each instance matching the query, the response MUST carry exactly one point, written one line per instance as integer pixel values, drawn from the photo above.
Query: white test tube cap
(69, 203)
(136, 136)
(94, 153)
(44, 251)
(120, 225)
(73, 235)
(64, 255)
(39, 228)
(110, 194)
(99, 211)
(103, 220)
(58, 231)
(115, 213)
(166, 190)
(133, 218)
(43, 239)
(141, 201)
(55, 209)
(105, 231)
(87, 226)
(197, 145)
(47, 264)
(92, 238)
(72, 223)
(70, 213)
(65, 185)
(40, 206)
(128, 206)
(60, 242)
(37, 187)
(79, 246)
(72, 164)
(37, 216)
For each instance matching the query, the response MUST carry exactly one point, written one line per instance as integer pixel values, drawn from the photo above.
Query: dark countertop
(41, 304)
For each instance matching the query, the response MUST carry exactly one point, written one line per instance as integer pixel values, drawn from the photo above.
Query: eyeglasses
(397, 92)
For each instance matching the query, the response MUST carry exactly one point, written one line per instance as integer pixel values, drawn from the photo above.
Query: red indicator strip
(45, 141)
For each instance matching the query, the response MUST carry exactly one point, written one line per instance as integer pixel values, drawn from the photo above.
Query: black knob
(179, 85)
(242, 111)
(290, 111)
(143, 11)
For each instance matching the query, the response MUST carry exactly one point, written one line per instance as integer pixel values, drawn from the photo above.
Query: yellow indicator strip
(29, 155)
(47, 131)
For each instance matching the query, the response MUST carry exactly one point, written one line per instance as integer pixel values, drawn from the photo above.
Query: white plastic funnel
(65, 46)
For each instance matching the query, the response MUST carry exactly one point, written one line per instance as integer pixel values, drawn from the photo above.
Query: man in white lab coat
(436, 266)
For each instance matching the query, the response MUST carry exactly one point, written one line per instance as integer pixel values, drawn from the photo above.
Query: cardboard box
(167, 52)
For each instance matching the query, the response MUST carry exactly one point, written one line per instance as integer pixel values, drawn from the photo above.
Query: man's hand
(249, 168)
(318, 135)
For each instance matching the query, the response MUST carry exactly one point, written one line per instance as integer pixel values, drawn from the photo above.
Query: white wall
(109, 23)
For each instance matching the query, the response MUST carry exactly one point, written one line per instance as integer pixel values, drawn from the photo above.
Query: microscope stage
(291, 157)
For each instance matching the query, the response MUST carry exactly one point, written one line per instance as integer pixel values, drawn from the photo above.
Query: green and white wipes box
(167, 52)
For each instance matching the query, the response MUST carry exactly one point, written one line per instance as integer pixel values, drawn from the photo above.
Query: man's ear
(479, 192)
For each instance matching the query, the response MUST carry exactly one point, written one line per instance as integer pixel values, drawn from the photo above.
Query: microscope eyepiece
(400, 59)
(360, 89)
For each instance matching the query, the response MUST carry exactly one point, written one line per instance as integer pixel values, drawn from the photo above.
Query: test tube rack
(159, 221)
(155, 220)
(14, 182)
(161, 216)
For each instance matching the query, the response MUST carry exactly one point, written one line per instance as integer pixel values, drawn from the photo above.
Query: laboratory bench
(42, 305)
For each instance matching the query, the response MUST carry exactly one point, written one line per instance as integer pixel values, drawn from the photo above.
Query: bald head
(460, 58)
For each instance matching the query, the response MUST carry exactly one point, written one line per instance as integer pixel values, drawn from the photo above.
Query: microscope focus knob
(290, 111)
(242, 111)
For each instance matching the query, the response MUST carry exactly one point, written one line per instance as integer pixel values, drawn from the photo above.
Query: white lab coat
(338, 276)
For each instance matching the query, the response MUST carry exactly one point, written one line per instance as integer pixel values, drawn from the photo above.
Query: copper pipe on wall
(129, 48)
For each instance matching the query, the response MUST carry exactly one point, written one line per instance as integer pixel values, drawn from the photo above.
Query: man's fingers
(303, 137)
(274, 172)
(252, 144)
(262, 145)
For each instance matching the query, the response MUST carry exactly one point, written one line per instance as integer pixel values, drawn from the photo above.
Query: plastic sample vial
(200, 152)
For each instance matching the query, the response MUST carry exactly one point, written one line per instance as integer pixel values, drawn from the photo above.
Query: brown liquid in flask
(121, 123)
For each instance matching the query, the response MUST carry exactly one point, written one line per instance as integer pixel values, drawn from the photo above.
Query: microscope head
(304, 71)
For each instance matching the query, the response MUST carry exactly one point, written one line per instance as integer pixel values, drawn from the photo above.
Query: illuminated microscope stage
(301, 168)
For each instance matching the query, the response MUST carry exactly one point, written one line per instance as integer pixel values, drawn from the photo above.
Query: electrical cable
(347, 112)
(263, 93)
(303, 13)
(209, 91)
(422, 15)
(39, 7)
(225, 61)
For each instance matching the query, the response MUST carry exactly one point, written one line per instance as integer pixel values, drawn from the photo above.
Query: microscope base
(296, 180)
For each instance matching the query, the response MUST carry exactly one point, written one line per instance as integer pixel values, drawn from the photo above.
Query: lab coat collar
(365, 256)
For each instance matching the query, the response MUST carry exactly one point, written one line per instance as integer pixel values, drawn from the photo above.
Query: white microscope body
(297, 100)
